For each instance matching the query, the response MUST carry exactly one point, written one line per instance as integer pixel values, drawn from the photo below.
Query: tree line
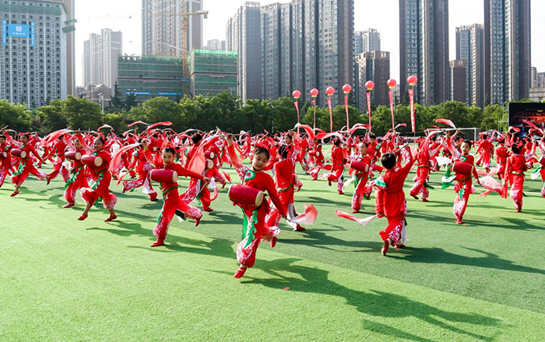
(230, 114)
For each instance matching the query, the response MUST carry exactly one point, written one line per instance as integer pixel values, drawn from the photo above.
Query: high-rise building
(366, 41)
(470, 49)
(216, 45)
(373, 66)
(100, 58)
(307, 44)
(243, 35)
(458, 79)
(540, 83)
(162, 27)
(424, 48)
(507, 49)
(533, 77)
(36, 51)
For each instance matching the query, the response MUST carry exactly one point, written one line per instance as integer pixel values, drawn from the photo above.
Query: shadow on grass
(321, 240)
(440, 256)
(375, 303)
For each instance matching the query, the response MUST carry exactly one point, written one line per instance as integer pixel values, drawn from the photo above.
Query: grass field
(66, 280)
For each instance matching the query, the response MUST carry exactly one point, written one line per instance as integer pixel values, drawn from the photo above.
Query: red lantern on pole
(296, 94)
(370, 85)
(314, 93)
(347, 88)
(330, 92)
(412, 80)
(391, 84)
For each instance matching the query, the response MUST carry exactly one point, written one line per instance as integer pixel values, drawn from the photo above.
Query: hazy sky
(125, 15)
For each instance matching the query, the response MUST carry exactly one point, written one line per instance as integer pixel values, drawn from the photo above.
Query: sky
(383, 15)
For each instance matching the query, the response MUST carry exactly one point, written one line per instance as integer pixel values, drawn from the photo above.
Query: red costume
(361, 178)
(77, 181)
(463, 188)
(336, 174)
(255, 228)
(26, 166)
(391, 202)
(143, 169)
(102, 178)
(514, 176)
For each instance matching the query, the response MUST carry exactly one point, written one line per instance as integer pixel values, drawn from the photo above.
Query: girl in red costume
(78, 179)
(502, 153)
(143, 169)
(102, 177)
(26, 167)
(337, 161)
(173, 202)
(284, 172)
(255, 229)
(390, 200)
(464, 184)
(514, 175)
(361, 177)
(5, 158)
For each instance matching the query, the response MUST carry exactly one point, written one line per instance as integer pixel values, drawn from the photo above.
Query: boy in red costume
(390, 200)
(173, 201)
(255, 228)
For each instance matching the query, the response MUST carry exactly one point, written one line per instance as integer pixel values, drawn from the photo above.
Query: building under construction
(147, 77)
(212, 72)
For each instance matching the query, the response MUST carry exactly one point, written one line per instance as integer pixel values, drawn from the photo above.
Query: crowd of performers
(89, 161)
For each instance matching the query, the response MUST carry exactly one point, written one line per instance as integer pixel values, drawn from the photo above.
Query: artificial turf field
(66, 280)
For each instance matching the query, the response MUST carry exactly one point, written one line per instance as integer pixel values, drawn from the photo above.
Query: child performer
(5, 158)
(361, 177)
(143, 169)
(173, 200)
(58, 166)
(337, 171)
(390, 200)
(26, 167)
(502, 153)
(284, 172)
(514, 175)
(255, 227)
(78, 179)
(102, 177)
(464, 184)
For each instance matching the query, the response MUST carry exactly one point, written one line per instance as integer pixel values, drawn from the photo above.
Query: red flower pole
(412, 80)
(296, 95)
(370, 85)
(314, 93)
(330, 92)
(347, 88)
(391, 84)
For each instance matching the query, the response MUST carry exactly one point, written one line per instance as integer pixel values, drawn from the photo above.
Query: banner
(296, 103)
(330, 115)
(391, 93)
(369, 108)
(18, 30)
(346, 109)
(413, 121)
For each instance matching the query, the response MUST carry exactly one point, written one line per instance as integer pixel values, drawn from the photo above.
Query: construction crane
(184, 16)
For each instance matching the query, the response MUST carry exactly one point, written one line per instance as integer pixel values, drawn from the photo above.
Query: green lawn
(66, 280)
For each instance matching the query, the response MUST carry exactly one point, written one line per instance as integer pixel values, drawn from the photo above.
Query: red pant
(25, 168)
(173, 202)
(100, 190)
(358, 194)
(78, 181)
(422, 175)
(517, 187)
(463, 190)
(59, 168)
(253, 231)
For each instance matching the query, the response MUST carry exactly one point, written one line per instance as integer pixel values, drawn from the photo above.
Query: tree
(82, 113)
(491, 117)
(130, 101)
(16, 116)
(53, 116)
(116, 102)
